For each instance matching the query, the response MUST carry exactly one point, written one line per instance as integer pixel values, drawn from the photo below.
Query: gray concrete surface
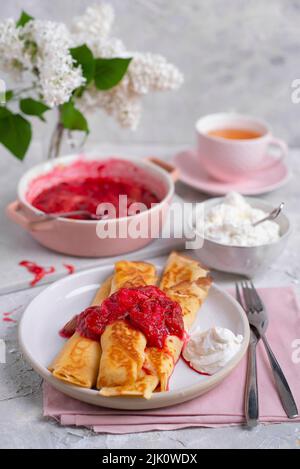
(236, 55)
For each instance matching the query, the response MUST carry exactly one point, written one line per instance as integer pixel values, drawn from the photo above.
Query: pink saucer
(192, 174)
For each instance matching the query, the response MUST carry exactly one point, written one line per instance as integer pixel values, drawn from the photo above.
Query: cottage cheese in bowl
(231, 223)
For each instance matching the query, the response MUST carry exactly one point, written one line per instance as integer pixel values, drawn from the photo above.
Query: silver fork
(258, 320)
(251, 394)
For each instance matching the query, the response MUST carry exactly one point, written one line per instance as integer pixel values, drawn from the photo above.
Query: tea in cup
(232, 147)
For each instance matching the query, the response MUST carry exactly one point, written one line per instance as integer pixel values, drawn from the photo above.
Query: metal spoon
(271, 216)
(54, 216)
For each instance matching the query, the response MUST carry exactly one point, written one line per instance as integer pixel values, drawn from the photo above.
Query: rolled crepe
(123, 347)
(143, 387)
(103, 292)
(180, 268)
(133, 274)
(185, 281)
(123, 355)
(78, 361)
(190, 296)
(161, 362)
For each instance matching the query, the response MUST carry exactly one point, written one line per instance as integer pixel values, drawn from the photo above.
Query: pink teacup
(233, 159)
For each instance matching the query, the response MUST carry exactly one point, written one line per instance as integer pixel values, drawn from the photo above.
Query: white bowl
(247, 261)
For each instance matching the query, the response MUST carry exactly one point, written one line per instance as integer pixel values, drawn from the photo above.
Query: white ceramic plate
(51, 309)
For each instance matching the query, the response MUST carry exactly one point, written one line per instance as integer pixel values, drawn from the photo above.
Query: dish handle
(15, 212)
(169, 168)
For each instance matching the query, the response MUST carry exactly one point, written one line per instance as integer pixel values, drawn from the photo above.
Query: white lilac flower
(13, 57)
(124, 107)
(58, 77)
(41, 48)
(93, 28)
(101, 47)
(119, 102)
(146, 73)
(150, 72)
(95, 22)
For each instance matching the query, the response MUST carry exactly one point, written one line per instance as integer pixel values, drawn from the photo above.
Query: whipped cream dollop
(209, 351)
(231, 222)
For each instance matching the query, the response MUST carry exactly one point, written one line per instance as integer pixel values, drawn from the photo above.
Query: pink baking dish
(79, 237)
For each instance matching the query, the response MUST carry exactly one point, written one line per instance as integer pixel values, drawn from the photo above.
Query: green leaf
(9, 95)
(79, 92)
(4, 112)
(109, 72)
(24, 18)
(31, 48)
(83, 56)
(15, 133)
(32, 107)
(72, 118)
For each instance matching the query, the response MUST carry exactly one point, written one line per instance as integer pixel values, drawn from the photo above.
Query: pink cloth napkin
(223, 405)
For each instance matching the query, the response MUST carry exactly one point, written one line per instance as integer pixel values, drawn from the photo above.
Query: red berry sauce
(87, 192)
(147, 309)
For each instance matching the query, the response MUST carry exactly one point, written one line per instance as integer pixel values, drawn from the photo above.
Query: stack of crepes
(122, 364)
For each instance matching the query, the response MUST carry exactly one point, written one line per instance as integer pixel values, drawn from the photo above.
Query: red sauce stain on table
(38, 271)
(147, 309)
(6, 316)
(8, 319)
(70, 268)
